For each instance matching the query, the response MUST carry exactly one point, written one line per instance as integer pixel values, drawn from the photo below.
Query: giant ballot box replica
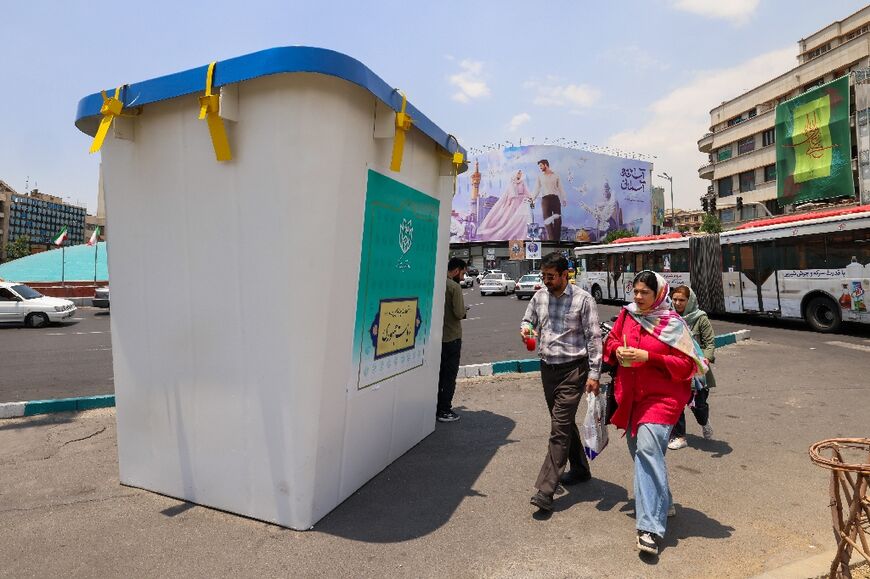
(279, 227)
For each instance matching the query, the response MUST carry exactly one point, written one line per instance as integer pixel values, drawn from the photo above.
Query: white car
(497, 283)
(467, 281)
(485, 273)
(22, 304)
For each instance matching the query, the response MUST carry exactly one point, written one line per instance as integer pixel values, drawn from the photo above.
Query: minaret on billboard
(475, 192)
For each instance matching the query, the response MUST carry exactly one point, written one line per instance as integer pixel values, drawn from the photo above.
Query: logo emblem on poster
(406, 239)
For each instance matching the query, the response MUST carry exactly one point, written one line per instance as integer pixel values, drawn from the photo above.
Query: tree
(711, 224)
(18, 248)
(617, 234)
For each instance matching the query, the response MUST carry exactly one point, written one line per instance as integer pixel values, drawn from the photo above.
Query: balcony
(706, 172)
(705, 144)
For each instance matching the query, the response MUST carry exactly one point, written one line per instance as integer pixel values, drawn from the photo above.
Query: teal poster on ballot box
(396, 280)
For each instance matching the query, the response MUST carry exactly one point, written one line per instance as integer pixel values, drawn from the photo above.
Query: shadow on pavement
(687, 523)
(716, 448)
(419, 492)
(44, 420)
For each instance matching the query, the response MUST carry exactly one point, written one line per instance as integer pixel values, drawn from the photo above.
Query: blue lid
(284, 59)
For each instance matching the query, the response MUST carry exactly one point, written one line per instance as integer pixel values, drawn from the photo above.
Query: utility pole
(673, 211)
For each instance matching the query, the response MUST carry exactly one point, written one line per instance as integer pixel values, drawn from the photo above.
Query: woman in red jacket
(657, 358)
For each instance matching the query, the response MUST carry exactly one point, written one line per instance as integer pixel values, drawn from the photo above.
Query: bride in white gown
(509, 217)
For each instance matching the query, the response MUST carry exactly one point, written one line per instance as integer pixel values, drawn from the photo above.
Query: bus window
(844, 245)
(804, 252)
(638, 262)
(596, 262)
(679, 259)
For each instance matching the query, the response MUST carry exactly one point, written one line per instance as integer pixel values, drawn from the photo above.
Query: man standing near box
(565, 320)
(451, 340)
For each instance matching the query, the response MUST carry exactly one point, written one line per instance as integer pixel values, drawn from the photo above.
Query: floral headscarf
(667, 326)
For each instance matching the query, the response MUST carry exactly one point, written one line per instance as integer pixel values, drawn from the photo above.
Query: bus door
(759, 287)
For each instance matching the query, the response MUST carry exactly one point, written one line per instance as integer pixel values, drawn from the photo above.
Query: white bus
(814, 267)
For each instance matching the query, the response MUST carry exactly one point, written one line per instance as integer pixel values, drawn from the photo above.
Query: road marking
(850, 346)
(96, 332)
(470, 319)
(57, 334)
(98, 350)
(76, 319)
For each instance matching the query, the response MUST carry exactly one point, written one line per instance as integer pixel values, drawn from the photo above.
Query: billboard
(550, 193)
(814, 145)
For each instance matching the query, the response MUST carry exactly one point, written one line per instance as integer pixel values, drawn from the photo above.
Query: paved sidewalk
(457, 504)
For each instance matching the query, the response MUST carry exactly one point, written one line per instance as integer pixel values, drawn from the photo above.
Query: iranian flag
(61, 237)
(95, 237)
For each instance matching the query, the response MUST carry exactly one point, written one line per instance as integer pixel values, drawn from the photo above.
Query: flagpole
(96, 247)
(62, 264)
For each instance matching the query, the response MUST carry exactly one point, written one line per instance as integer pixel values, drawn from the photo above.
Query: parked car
(23, 304)
(497, 283)
(101, 297)
(528, 285)
(485, 273)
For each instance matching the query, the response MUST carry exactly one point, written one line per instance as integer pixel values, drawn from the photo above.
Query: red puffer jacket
(652, 392)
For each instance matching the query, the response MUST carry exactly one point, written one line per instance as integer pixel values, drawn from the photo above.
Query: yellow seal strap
(111, 108)
(209, 109)
(403, 125)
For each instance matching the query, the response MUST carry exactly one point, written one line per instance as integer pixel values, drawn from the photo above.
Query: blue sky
(634, 75)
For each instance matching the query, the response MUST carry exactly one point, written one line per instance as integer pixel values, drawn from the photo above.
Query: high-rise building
(742, 137)
(41, 217)
(6, 193)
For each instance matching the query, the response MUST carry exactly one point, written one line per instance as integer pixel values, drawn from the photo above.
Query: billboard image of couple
(550, 193)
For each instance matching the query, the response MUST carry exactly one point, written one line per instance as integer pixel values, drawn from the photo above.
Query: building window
(724, 153)
(725, 187)
(770, 173)
(746, 145)
(814, 84)
(752, 113)
(747, 181)
(735, 120)
(819, 51)
(768, 137)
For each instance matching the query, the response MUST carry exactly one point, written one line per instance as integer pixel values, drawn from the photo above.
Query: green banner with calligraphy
(814, 145)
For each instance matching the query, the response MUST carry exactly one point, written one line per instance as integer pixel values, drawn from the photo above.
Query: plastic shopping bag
(594, 430)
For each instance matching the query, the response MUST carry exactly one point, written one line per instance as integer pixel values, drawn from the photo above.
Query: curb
(534, 365)
(33, 407)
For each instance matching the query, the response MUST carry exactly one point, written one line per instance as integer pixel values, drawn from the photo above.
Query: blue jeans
(652, 495)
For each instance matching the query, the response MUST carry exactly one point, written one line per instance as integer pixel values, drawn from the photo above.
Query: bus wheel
(823, 314)
(596, 293)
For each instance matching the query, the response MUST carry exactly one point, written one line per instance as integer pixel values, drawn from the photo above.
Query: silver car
(528, 285)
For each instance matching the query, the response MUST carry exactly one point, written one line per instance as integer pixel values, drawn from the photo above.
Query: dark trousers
(564, 385)
(701, 412)
(447, 376)
(550, 205)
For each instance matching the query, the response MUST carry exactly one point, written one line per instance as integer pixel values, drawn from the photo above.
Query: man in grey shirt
(564, 318)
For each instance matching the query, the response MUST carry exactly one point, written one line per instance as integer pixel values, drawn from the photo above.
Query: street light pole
(673, 211)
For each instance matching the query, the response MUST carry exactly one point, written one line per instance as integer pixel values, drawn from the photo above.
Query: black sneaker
(647, 542)
(446, 416)
(573, 477)
(542, 501)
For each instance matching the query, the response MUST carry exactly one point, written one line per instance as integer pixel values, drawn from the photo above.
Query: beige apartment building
(741, 141)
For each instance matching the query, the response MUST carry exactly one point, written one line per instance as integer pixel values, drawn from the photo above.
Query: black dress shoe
(542, 501)
(573, 477)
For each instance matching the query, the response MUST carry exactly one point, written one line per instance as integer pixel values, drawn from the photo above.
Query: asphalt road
(59, 361)
(491, 331)
(75, 358)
